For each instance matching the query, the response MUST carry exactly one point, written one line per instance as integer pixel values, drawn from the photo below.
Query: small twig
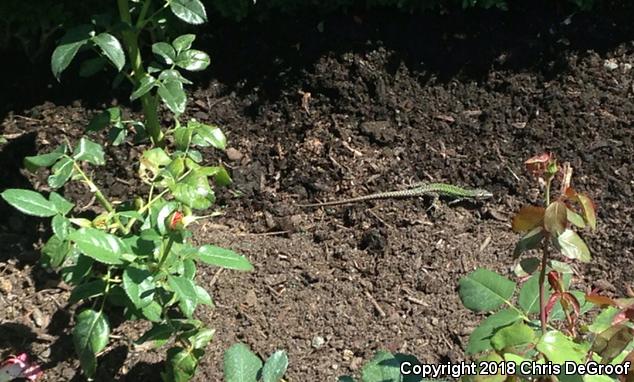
(354, 151)
(215, 278)
(87, 206)
(486, 243)
(375, 304)
(264, 233)
(416, 301)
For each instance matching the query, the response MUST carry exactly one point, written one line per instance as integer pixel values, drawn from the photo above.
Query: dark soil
(389, 100)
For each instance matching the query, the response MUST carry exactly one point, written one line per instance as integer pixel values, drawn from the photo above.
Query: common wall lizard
(419, 189)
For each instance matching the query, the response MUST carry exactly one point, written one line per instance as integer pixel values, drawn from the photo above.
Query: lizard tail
(381, 195)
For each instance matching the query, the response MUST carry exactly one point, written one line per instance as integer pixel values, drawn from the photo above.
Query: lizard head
(482, 194)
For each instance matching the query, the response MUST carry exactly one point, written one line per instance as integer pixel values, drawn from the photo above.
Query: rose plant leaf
(555, 218)
(190, 11)
(223, 257)
(29, 202)
(275, 367)
(90, 336)
(528, 218)
(111, 48)
(483, 290)
(99, 245)
(572, 246)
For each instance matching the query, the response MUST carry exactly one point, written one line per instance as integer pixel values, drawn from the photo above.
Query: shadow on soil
(273, 54)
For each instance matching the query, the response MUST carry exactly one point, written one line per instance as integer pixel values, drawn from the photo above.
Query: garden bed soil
(321, 109)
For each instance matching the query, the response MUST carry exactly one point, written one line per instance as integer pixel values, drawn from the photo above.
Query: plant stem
(93, 188)
(148, 101)
(542, 287)
(166, 251)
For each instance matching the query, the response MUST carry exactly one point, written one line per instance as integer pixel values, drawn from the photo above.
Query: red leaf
(555, 281)
(551, 303)
(599, 300)
(528, 218)
(537, 165)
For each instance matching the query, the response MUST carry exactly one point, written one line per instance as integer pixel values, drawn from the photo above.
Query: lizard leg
(455, 201)
(435, 204)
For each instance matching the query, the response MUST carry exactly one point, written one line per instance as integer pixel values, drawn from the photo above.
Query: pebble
(610, 64)
(233, 154)
(317, 342)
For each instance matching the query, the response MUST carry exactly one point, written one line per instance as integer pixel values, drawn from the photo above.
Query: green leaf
(490, 358)
(202, 296)
(559, 349)
(70, 44)
(153, 160)
(181, 365)
(480, 338)
(90, 336)
(62, 205)
(517, 334)
(483, 290)
(159, 333)
(529, 295)
(241, 364)
(62, 171)
(383, 367)
(29, 202)
(183, 42)
(529, 241)
(87, 291)
(208, 135)
(145, 85)
(111, 48)
(556, 218)
(173, 95)
(190, 11)
(44, 160)
(55, 251)
(185, 291)
(575, 218)
(99, 121)
(99, 245)
(202, 338)
(223, 257)
(526, 266)
(89, 151)
(173, 74)
(604, 320)
(139, 286)
(79, 269)
(195, 155)
(165, 51)
(61, 226)
(194, 191)
(275, 367)
(193, 60)
(153, 312)
(572, 246)
(183, 137)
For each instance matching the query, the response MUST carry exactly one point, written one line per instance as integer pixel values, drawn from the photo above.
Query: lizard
(418, 189)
